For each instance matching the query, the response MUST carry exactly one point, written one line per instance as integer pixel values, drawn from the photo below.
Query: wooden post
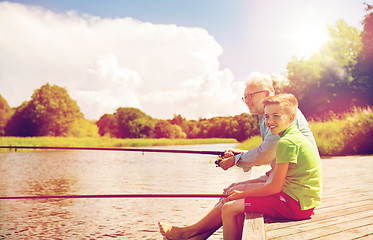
(254, 223)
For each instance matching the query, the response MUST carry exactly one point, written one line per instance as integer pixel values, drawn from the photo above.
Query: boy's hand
(235, 195)
(227, 163)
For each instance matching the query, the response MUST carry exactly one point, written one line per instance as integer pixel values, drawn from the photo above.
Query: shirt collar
(288, 130)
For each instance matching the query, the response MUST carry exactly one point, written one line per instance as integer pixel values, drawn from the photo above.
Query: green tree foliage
(126, 123)
(363, 82)
(83, 128)
(325, 81)
(50, 112)
(133, 123)
(5, 114)
(164, 129)
(239, 127)
(108, 126)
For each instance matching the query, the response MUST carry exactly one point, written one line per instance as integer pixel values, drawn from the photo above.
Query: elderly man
(257, 88)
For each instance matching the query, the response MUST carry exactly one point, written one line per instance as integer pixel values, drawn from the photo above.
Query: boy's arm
(273, 187)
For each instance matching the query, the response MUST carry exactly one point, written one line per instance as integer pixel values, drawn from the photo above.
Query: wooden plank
(322, 227)
(346, 211)
(327, 215)
(329, 230)
(253, 227)
(356, 233)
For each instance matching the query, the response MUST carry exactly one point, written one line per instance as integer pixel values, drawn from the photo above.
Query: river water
(105, 172)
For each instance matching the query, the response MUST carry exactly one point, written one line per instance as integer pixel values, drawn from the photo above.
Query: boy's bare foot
(170, 232)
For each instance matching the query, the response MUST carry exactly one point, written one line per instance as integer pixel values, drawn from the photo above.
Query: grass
(250, 143)
(350, 134)
(104, 142)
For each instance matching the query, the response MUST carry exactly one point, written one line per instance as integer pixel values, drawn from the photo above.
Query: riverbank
(106, 142)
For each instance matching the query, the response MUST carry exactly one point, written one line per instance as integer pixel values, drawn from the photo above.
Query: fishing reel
(218, 161)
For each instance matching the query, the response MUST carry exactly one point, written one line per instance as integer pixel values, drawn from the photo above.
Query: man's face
(253, 97)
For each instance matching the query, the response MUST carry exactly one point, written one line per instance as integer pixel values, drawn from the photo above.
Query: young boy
(296, 186)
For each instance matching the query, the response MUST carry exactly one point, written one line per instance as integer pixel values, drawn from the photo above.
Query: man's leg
(211, 221)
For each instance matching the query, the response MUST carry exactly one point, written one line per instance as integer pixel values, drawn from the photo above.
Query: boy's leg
(240, 186)
(233, 215)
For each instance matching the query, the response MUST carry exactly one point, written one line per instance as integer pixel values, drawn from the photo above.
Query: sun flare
(308, 38)
(309, 41)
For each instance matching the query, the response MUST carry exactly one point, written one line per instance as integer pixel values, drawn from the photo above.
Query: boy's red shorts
(279, 205)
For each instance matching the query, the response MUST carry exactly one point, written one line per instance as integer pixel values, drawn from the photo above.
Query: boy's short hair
(261, 80)
(287, 101)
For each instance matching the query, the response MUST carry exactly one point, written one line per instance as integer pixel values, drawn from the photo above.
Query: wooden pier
(346, 211)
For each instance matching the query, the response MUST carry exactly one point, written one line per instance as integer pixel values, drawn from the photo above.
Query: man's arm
(263, 154)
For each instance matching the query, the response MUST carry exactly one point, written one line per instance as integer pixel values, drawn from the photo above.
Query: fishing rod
(145, 195)
(143, 150)
(118, 149)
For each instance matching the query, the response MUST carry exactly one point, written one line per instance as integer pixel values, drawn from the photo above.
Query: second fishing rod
(220, 154)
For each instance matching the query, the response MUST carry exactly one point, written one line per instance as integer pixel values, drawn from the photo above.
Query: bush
(347, 135)
(328, 136)
(358, 134)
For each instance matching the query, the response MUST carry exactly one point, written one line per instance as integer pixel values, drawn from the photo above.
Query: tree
(164, 129)
(363, 82)
(5, 114)
(50, 112)
(133, 123)
(178, 120)
(108, 126)
(324, 81)
(83, 128)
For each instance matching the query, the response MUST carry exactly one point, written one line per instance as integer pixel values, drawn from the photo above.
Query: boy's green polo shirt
(303, 179)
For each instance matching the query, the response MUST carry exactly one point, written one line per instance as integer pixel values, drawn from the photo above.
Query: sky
(165, 57)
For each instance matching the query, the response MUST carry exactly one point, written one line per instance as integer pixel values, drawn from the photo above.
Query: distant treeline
(132, 123)
(51, 112)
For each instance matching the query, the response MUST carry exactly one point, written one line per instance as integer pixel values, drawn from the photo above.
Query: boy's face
(277, 120)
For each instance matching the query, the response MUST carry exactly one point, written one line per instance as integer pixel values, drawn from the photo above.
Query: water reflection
(88, 172)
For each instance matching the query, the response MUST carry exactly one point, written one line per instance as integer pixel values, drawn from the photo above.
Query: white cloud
(109, 63)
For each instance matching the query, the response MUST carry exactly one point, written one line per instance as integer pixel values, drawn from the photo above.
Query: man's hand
(231, 152)
(227, 163)
(235, 195)
(228, 153)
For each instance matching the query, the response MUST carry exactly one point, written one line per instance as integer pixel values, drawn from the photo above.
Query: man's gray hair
(261, 80)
